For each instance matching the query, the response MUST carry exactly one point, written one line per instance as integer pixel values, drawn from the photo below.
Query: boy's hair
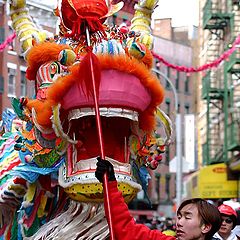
(208, 212)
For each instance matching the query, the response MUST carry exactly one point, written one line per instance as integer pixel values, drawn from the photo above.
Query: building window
(186, 85)
(2, 35)
(157, 66)
(158, 176)
(177, 81)
(168, 106)
(179, 108)
(187, 108)
(23, 81)
(23, 91)
(167, 187)
(1, 84)
(11, 81)
(12, 68)
(168, 75)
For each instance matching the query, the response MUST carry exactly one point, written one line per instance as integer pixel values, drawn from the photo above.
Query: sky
(182, 12)
(50, 3)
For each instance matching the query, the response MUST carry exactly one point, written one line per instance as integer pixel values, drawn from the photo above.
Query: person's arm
(124, 226)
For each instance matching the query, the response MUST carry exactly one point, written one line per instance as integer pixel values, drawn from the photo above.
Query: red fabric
(89, 70)
(124, 226)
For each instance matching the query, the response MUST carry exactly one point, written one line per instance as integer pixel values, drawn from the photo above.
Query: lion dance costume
(49, 144)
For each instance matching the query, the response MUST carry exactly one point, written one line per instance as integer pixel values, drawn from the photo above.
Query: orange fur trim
(148, 59)
(43, 117)
(42, 53)
(122, 63)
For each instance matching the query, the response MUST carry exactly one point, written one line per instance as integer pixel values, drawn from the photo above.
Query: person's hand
(104, 166)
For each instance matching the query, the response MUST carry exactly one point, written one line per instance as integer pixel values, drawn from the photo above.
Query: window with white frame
(23, 82)
(11, 79)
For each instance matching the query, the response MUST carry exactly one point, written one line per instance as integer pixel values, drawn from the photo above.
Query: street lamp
(178, 140)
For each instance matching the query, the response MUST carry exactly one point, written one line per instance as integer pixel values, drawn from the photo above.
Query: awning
(212, 182)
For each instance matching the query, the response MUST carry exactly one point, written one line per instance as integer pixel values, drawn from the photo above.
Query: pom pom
(67, 57)
(137, 50)
(153, 164)
(158, 158)
(124, 29)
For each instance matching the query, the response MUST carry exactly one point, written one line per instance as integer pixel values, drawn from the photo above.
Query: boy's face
(188, 224)
(226, 226)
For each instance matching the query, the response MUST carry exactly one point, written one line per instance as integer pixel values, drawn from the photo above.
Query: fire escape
(218, 24)
(232, 78)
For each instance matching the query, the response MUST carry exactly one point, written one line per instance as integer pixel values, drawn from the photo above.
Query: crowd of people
(196, 219)
(165, 225)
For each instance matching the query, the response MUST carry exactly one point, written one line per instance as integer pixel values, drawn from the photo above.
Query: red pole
(99, 128)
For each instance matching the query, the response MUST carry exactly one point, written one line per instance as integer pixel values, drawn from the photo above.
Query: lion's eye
(54, 69)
